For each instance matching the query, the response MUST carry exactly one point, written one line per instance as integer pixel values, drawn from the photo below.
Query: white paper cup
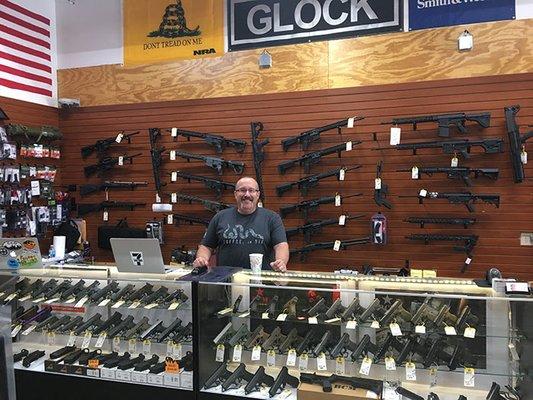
(256, 262)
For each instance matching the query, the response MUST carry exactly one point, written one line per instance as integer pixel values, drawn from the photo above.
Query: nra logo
(203, 51)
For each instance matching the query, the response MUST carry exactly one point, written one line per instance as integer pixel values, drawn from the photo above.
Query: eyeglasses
(244, 190)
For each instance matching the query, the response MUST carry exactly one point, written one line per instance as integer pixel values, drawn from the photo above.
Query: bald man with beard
(239, 231)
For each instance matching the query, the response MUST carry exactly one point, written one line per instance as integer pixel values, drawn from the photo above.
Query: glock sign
(137, 258)
(261, 23)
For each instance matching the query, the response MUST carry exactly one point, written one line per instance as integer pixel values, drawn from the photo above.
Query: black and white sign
(263, 23)
(137, 258)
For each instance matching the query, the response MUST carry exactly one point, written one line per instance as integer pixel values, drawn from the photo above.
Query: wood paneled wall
(288, 114)
(499, 48)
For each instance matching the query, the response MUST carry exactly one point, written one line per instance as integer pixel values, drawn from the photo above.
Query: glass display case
(98, 323)
(288, 335)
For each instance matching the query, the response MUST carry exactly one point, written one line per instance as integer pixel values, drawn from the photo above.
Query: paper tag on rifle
(414, 173)
(423, 193)
(470, 333)
(395, 135)
(81, 302)
(16, 330)
(51, 338)
(174, 305)
(470, 377)
(237, 354)
(389, 393)
(105, 216)
(100, 341)
(342, 220)
(332, 320)
(120, 160)
(374, 324)
(338, 200)
(172, 155)
(174, 176)
(303, 361)
(177, 351)
(40, 299)
(395, 329)
(377, 183)
(312, 321)
(170, 345)
(31, 329)
(170, 219)
(70, 300)
(349, 146)
(71, 339)
(173, 197)
(174, 132)
(340, 366)
(433, 371)
(150, 306)
(157, 198)
(291, 358)
(265, 315)
(350, 123)
(421, 329)
(365, 366)
(256, 353)
(220, 353)
(523, 157)
(118, 304)
(132, 346)
(321, 364)
(27, 297)
(135, 304)
(147, 346)
(410, 371)
(282, 317)
(271, 358)
(455, 162)
(337, 245)
(390, 364)
(9, 298)
(342, 174)
(450, 331)
(119, 137)
(116, 344)
(104, 302)
(351, 324)
(86, 340)
(468, 261)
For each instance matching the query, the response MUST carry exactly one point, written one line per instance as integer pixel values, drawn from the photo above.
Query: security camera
(69, 103)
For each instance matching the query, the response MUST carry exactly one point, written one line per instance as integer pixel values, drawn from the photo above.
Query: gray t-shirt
(236, 236)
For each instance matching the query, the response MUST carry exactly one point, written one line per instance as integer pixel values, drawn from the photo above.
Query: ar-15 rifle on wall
(309, 230)
(177, 218)
(108, 163)
(305, 207)
(466, 198)
(84, 209)
(102, 145)
(445, 121)
(341, 245)
(463, 147)
(88, 189)
(157, 159)
(213, 206)
(312, 135)
(462, 173)
(259, 156)
(218, 141)
(517, 143)
(212, 162)
(381, 189)
(210, 183)
(466, 222)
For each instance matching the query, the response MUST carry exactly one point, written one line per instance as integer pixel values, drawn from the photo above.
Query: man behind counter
(239, 231)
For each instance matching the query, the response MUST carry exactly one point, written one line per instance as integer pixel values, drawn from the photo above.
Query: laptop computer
(18, 253)
(138, 255)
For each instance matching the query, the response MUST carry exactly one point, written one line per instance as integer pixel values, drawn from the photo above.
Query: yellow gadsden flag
(165, 30)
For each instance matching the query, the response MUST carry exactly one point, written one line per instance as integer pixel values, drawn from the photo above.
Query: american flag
(25, 50)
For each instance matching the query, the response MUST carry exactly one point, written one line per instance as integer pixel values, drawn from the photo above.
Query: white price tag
(150, 306)
(303, 360)
(40, 299)
(468, 261)
(433, 376)
(282, 317)
(172, 155)
(138, 377)
(174, 132)
(174, 305)
(271, 358)
(225, 311)
(220, 353)
(104, 302)
(157, 198)
(321, 364)
(349, 146)
(70, 300)
(351, 324)
(172, 380)
(10, 297)
(147, 346)
(107, 373)
(389, 393)
(116, 344)
(523, 157)
(118, 304)
(450, 331)
(170, 345)
(421, 329)
(410, 371)
(350, 123)
(395, 135)
(375, 324)
(365, 366)
(81, 302)
(395, 329)
(135, 304)
(414, 173)
(155, 379)
(237, 354)
(105, 216)
(470, 333)
(337, 245)
(121, 160)
(71, 339)
(170, 219)
(28, 330)
(342, 174)
(256, 353)
(132, 346)
(332, 320)
(291, 358)
(455, 162)
(174, 176)
(93, 372)
(342, 220)
(390, 364)
(119, 137)
(470, 377)
(265, 315)
(312, 321)
(377, 183)
(86, 340)
(100, 341)
(16, 330)
(25, 298)
(423, 193)
(338, 200)
(340, 366)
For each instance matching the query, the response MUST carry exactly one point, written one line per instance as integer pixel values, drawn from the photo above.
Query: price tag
(40, 299)
(523, 157)
(220, 353)
(291, 358)
(31, 329)
(342, 220)
(414, 173)
(349, 146)
(135, 304)
(177, 351)
(390, 364)
(410, 371)
(374, 324)
(421, 329)
(104, 302)
(340, 366)
(395, 135)
(10, 297)
(132, 346)
(105, 216)
(172, 155)
(365, 366)
(395, 329)
(321, 364)
(303, 360)
(423, 193)
(100, 341)
(450, 331)
(332, 320)
(86, 340)
(389, 393)
(225, 311)
(93, 363)
(265, 315)
(150, 306)
(174, 176)
(170, 219)
(350, 123)
(337, 245)
(468, 261)
(271, 358)
(433, 371)
(256, 353)
(174, 132)
(118, 304)
(71, 339)
(351, 324)
(121, 160)
(147, 346)
(116, 344)
(470, 377)
(377, 183)
(156, 380)
(107, 373)
(172, 380)
(470, 333)
(16, 330)
(455, 162)
(338, 200)
(312, 320)
(170, 345)
(157, 198)
(138, 377)
(342, 174)
(70, 300)
(282, 317)
(25, 298)
(174, 305)
(237, 353)
(81, 302)
(119, 137)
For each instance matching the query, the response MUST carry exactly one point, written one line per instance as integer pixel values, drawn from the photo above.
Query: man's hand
(279, 266)
(200, 262)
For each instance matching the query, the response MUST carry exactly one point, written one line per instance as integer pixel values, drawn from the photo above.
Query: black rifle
(311, 229)
(326, 382)
(313, 158)
(381, 194)
(283, 379)
(328, 245)
(177, 218)
(312, 135)
(157, 159)
(112, 321)
(305, 207)
(311, 181)
(258, 379)
(235, 379)
(517, 142)
(343, 345)
(466, 198)
(102, 145)
(213, 206)
(463, 147)
(84, 209)
(217, 377)
(258, 153)
(103, 293)
(462, 173)
(218, 141)
(466, 222)
(210, 183)
(213, 162)
(106, 164)
(88, 189)
(408, 394)
(445, 121)
(126, 324)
